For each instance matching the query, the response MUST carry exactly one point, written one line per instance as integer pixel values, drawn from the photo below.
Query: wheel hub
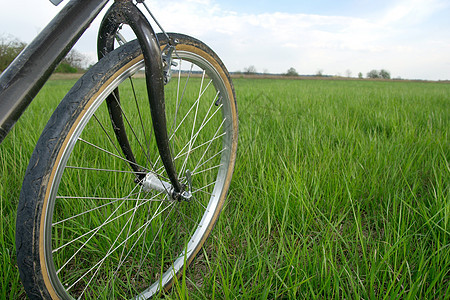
(152, 182)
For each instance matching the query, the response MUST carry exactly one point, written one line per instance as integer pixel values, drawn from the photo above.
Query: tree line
(292, 72)
(76, 62)
(383, 74)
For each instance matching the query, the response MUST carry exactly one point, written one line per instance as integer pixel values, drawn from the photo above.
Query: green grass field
(341, 190)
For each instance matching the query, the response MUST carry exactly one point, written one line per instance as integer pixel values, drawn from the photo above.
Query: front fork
(125, 12)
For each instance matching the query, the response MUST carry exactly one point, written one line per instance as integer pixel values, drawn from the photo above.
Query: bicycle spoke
(198, 201)
(98, 264)
(85, 212)
(131, 128)
(107, 221)
(208, 169)
(210, 142)
(181, 154)
(179, 100)
(94, 198)
(205, 121)
(189, 111)
(203, 124)
(144, 231)
(129, 229)
(204, 187)
(147, 139)
(193, 172)
(112, 154)
(141, 262)
(107, 134)
(191, 140)
(98, 169)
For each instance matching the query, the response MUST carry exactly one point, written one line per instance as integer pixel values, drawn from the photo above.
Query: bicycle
(132, 170)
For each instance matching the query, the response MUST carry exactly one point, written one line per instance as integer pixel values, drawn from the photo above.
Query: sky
(409, 38)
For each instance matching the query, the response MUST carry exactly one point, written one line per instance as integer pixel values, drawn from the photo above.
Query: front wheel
(95, 219)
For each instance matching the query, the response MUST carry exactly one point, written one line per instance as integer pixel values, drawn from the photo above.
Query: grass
(341, 190)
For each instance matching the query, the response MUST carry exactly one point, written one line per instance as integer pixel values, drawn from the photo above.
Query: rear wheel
(94, 222)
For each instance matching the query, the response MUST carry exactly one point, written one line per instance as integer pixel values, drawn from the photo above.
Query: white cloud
(277, 41)
(23, 20)
(407, 12)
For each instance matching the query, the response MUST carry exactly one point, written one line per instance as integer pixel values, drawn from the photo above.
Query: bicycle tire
(83, 210)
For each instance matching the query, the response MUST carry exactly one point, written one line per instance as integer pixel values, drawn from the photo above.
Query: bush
(373, 74)
(379, 74)
(291, 72)
(9, 49)
(65, 68)
(385, 74)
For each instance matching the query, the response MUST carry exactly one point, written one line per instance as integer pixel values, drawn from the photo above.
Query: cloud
(25, 23)
(276, 41)
(394, 38)
(408, 12)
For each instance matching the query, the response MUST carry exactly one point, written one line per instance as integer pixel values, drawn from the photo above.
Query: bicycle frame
(26, 75)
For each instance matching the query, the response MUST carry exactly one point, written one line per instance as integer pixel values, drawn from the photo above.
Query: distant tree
(373, 74)
(360, 75)
(385, 74)
(250, 70)
(319, 73)
(291, 72)
(379, 74)
(75, 60)
(348, 72)
(9, 49)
